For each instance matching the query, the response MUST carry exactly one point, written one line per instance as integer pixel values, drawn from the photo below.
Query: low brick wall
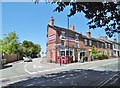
(11, 57)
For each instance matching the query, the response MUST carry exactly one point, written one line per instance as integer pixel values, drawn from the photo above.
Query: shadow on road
(75, 77)
(6, 66)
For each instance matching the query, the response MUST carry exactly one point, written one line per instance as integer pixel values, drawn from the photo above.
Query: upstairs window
(109, 46)
(102, 45)
(97, 44)
(114, 46)
(90, 42)
(77, 37)
(62, 42)
(62, 34)
(77, 44)
(105, 45)
(85, 41)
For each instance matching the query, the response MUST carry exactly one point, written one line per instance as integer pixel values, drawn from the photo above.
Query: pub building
(67, 46)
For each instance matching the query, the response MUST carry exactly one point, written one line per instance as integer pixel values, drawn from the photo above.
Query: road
(40, 73)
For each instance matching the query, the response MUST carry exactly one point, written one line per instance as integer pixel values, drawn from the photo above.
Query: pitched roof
(63, 29)
(57, 28)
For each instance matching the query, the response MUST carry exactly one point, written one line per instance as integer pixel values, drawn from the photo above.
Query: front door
(82, 55)
(76, 55)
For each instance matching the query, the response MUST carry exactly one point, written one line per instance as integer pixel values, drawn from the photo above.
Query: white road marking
(14, 77)
(37, 66)
(114, 81)
(29, 71)
(46, 71)
(102, 83)
(3, 79)
(22, 75)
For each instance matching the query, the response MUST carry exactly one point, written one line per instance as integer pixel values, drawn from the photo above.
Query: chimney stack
(72, 27)
(88, 34)
(51, 22)
(103, 37)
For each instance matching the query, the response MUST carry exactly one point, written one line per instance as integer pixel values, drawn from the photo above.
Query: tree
(93, 52)
(0, 46)
(100, 14)
(104, 15)
(30, 49)
(10, 44)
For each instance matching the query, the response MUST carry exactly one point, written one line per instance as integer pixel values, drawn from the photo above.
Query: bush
(99, 56)
(105, 56)
(102, 56)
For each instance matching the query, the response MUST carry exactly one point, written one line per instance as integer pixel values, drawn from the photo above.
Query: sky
(30, 21)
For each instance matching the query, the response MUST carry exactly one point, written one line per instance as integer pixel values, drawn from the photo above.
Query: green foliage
(97, 55)
(10, 44)
(1, 46)
(99, 14)
(30, 49)
(93, 50)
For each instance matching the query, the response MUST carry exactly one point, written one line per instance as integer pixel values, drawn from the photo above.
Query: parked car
(27, 59)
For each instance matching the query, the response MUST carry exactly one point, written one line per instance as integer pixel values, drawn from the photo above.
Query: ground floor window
(69, 53)
(62, 53)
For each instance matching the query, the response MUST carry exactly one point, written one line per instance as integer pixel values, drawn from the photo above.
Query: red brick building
(72, 46)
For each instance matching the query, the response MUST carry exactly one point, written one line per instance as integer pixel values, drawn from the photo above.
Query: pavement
(40, 73)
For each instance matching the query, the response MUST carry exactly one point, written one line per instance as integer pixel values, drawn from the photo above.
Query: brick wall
(11, 57)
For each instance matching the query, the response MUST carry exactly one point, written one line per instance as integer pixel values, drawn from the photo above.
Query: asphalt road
(40, 73)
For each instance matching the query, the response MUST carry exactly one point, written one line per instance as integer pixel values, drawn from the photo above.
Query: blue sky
(30, 21)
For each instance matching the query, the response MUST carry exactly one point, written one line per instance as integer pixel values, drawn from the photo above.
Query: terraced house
(67, 46)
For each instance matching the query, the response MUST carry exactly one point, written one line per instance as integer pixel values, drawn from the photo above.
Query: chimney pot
(103, 37)
(51, 22)
(88, 34)
(72, 28)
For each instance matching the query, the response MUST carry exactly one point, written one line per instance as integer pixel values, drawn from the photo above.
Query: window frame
(85, 42)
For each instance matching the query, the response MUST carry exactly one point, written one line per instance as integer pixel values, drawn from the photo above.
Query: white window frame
(85, 41)
(77, 37)
(77, 44)
(90, 42)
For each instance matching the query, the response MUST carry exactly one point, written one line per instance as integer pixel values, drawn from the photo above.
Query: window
(90, 42)
(77, 37)
(114, 46)
(109, 46)
(102, 45)
(67, 53)
(105, 45)
(77, 44)
(98, 44)
(85, 41)
(62, 53)
(62, 42)
(63, 34)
